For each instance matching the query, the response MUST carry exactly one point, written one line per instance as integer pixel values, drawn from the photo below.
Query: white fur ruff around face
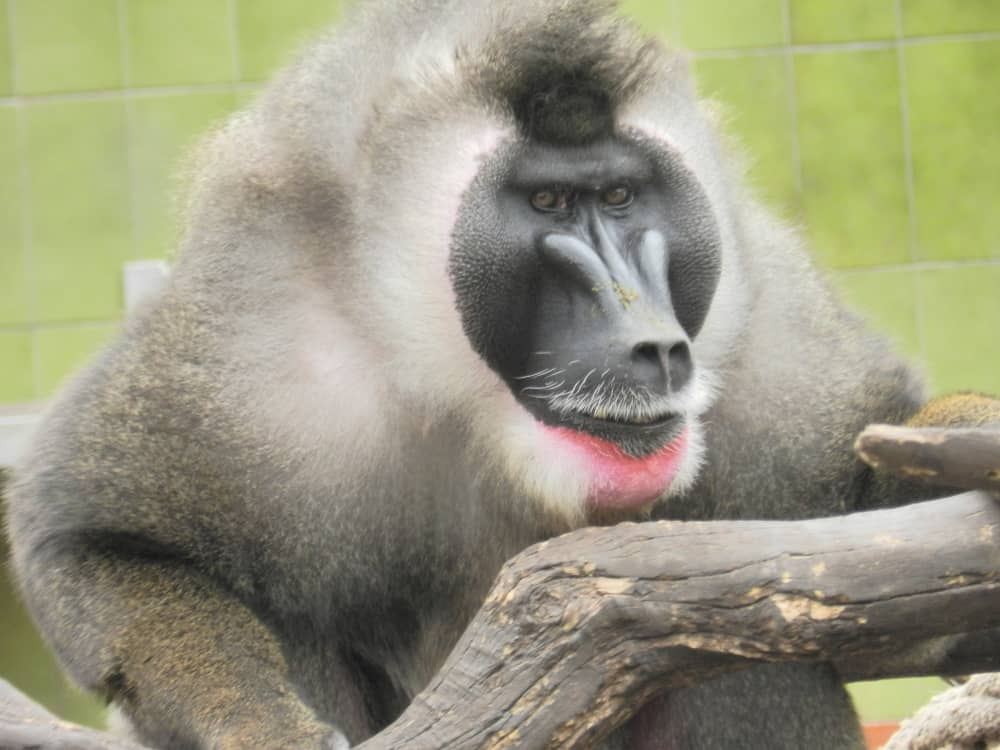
(433, 367)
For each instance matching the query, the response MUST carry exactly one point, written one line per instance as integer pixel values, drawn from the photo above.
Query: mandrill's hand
(959, 410)
(952, 441)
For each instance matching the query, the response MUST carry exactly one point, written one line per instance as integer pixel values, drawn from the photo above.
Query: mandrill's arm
(958, 410)
(188, 664)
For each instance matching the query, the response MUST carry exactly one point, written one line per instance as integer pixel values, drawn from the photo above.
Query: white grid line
(124, 48)
(136, 93)
(675, 22)
(240, 85)
(855, 46)
(15, 77)
(915, 268)
(921, 265)
(793, 110)
(904, 110)
(58, 325)
(234, 39)
(125, 60)
(30, 273)
(911, 196)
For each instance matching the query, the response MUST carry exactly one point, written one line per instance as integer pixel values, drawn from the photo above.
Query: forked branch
(580, 631)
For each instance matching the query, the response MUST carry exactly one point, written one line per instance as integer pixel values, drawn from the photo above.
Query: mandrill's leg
(768, 707)
(187, 663)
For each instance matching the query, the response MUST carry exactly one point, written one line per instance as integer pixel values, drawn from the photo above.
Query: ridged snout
(619, 308)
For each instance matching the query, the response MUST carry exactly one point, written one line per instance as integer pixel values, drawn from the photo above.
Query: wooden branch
(25, 725)
(578, 632)
(961, 458)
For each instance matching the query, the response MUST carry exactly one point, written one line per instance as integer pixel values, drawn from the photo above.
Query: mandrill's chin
(618, 482)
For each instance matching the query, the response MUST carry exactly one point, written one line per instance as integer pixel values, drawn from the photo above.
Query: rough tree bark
(961, 458)
(579, 631)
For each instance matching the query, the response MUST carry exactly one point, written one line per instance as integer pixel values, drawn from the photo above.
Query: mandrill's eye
(544, 200)
(551, 200)
(617, 197)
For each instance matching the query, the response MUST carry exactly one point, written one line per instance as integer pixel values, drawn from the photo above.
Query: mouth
(620, 482)
(635, 434)
(628, 443)
(604, 419)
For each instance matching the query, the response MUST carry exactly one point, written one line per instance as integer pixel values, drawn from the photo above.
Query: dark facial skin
(605, 271)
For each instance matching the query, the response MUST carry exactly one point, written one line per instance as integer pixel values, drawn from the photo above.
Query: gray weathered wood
(580, 631)
(24, 725)
(961, 458)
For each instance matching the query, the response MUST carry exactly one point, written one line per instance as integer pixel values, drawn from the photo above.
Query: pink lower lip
(619, 481)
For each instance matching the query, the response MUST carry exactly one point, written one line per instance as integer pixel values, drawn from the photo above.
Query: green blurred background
(872, 124)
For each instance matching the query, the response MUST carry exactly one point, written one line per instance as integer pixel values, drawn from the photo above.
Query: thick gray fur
(271, 507)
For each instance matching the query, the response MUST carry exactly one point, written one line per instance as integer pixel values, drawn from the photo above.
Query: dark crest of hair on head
(564, 79)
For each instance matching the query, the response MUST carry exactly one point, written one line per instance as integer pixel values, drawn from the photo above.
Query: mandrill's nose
(664, 366)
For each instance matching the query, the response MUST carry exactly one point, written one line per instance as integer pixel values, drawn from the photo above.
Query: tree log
(579, 631)
(25, 725)
(961, 458)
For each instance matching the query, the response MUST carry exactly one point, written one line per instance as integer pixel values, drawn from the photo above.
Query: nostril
(647, 367)
(646, 352)
(661, 365)
(679, 365)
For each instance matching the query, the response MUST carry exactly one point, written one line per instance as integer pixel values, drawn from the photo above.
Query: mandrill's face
(582, 275)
